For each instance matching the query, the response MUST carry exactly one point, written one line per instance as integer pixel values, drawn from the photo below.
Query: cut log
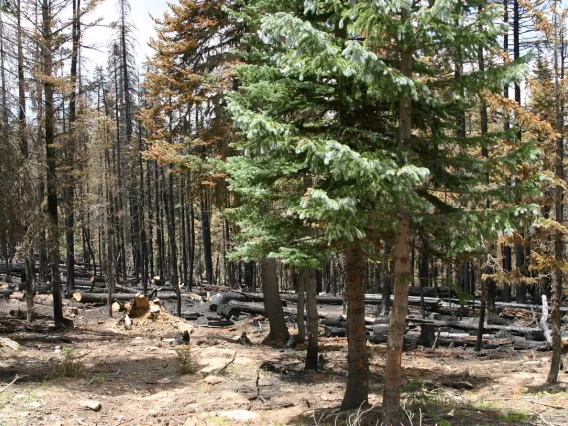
(230, 311)
(190, 316)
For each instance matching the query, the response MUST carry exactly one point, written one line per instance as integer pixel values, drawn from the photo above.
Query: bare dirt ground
(135, 376)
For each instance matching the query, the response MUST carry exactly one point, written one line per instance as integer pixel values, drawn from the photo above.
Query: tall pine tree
(348, 132)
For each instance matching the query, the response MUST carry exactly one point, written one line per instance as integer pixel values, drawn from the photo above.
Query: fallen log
(371, 299)
(102, 298)
(335, 332)
(258, 308)
(226, 323)
(220, 299)
(521, 344)
(473, 326)
(101, 288)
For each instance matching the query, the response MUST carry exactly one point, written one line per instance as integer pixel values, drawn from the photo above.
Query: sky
(99, 36)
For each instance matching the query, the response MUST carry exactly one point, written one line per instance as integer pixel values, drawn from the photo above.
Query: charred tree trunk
(70, 190)
(170, 221)
(300, 279)
(30, 288)
(357, 391)
(51, 160)
(312, 310)
(278, 335)
(507, 251)
(384, 307)
(206, 232)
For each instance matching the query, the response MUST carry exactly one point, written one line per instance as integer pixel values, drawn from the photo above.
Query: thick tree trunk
(278, 335)
(357, 391)
(313, 329)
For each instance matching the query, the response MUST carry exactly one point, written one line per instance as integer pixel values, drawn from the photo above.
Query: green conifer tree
(348, 132)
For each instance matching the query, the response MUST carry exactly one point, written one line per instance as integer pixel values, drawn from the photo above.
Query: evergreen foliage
(322, 162)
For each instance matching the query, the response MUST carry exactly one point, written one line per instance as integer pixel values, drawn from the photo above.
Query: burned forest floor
(101, 373)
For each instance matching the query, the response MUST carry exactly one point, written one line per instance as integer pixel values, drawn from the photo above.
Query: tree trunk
(557, 291)
(313, 329)
(300, 279)
(507, 251)
(21, 85)
(170, 220)
(70, 151)
(488, 283)
(393, 367)
(206, 232)
(357, 391)
(393, 364)
(51, 160)
(30, 287)
(383, 309)
(192, 245)
(278, 335)
(423, 272)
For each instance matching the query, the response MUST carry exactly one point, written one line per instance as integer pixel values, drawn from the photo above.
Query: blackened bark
(383, 308)
(30, 273)
(70, 190)
(183, 237)
(300, 281)
(357, 391)
(507, 251)
(279, 334)
(51, 160)
(170, 221)
(313, 330)
(192, 245)
(423, 272)
(206, 232)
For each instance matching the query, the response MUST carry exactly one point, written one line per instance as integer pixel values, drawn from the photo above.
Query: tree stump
(427, 335)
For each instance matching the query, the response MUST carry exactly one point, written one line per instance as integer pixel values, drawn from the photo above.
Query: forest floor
(136, 376)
